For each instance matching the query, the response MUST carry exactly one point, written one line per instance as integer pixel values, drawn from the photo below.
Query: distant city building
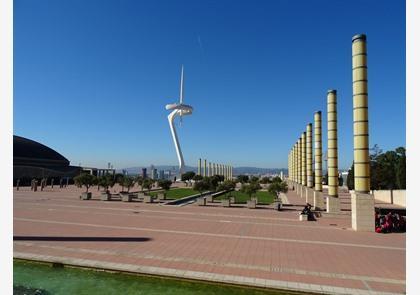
(152, 167)
(154, 174)
(144, 172)
(161, 174)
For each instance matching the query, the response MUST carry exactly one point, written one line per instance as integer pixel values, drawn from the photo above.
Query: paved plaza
(258, 247)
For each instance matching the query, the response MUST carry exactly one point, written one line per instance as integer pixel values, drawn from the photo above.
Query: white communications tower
(178, 109)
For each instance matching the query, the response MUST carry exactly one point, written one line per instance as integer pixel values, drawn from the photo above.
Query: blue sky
(92, 78)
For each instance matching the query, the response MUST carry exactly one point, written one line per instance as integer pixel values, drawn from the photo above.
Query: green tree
(139, 180)
(165, 184)
(277, 187)
(387, 170)
(127, 181)
(106, 181)
(227, 185)
(201, 186)
(400, 169)
(276, 179)
(243, 178)
(118, 179)
(250, 189)
(187, 176)
(86, 180)
(197, 177)
(148, 183)
(254, 179)
(265, 180)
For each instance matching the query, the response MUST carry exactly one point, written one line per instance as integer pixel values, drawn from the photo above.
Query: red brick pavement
(258, 247)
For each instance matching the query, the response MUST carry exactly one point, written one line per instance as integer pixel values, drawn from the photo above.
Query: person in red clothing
(387, 226)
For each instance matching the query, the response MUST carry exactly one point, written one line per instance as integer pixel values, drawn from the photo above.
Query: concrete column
(199, 167)
(362, 202)
(309, 168)
(303, 158)
(209, 168)
(205, 168)
(318, 195)
(333, 202)
(299, 171)
(291, 166)
(303, 164)
(295, 153)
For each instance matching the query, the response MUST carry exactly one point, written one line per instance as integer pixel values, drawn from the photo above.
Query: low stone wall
(399, 197)
(396, 197)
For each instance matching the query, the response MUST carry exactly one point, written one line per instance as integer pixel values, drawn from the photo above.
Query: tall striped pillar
(291, 166)
(296, 163)
(360, 116)
(299, 161)
(303, 155)
(199, 167)
(362, 203)
(318, 195)
(309, 168)
(333, 203)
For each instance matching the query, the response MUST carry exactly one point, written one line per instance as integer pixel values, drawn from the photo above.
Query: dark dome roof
(27, 150)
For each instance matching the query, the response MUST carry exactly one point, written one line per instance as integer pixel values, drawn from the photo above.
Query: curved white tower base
(171, 119)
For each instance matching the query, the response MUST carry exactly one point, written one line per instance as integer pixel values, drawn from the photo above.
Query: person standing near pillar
(333, 202)
(362, 202)
(318, 194)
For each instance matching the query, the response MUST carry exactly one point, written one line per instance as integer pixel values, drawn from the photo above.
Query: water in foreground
(42, 279)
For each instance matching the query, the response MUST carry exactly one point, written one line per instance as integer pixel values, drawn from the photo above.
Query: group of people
(391, 222)
(307, 211)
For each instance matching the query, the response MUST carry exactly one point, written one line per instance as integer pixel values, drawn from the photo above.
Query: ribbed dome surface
(26, 149)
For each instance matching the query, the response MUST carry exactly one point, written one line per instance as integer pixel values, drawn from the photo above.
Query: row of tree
(387, 170)
(126, 182)
(249, 186)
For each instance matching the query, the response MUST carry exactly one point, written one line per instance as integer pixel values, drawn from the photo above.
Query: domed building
(32, 159)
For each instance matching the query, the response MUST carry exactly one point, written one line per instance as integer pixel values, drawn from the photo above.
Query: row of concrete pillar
(307, 178)
(215, 169)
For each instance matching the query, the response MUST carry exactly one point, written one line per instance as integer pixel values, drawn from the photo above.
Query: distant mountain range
(236, 170)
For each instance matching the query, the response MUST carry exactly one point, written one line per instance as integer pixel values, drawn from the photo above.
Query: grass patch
(177, 193)
(35, 279)
(263, 197)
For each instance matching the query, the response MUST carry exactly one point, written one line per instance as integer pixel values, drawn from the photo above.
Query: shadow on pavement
(80, 239)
